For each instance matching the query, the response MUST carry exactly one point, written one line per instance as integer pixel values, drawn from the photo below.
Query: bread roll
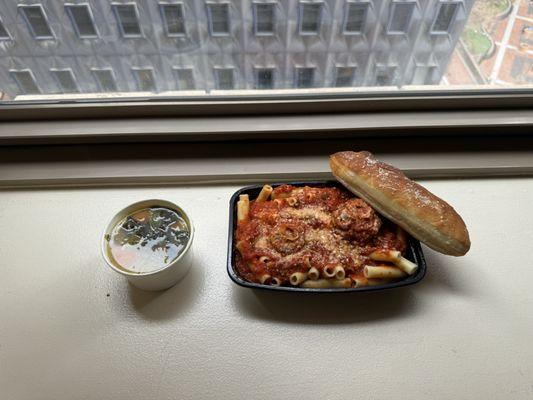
(425, 216)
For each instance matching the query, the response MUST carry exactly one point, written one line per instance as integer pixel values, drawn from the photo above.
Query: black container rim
(414, 248)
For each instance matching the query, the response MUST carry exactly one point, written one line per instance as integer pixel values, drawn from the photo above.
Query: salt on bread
(424, 215)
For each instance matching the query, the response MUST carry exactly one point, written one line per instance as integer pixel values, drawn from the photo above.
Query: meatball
(357, 220)
(287, 238)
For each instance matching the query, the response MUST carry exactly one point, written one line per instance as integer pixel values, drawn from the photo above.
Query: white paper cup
(164, 277)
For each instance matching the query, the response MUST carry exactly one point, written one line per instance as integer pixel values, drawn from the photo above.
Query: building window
(184, 78)
(37, 21)
(355, 17)
(128, 20)
(25, 81)
(218, 16)
(224, 79)
(264, 78)
(82, 19)
(344, 76)
(400, 18)
(424, 74)
(310, 18)
(173, 18)
(385, 76)
(264, 18)
(105, 78)
(305, 77)
(444, 18)
(65, 80)
(145, 79)
(4, 34)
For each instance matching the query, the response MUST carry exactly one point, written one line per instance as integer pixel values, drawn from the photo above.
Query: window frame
(137, 81)
(9, 36)
(345, 32)
(301, 6)
(175, 72)
(337, 66)
(162, 5)
(296, 76)
(393, 6)
(217, 78)
(68, 7)
(29, 25)
(257, 3)
(114, 5)
(113, 75)
(256, 70)
(212, 33)
(67, 69)
(432, 30)
(12, 73)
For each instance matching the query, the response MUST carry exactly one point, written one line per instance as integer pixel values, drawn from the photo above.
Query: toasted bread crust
(424, 215)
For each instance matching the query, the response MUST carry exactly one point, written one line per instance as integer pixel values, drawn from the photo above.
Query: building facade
(81, 46)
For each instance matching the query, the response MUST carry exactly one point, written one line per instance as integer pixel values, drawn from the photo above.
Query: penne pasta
(313, 274)
(383, 271)
(338, 272)
(292, 201)
(240, 247)
(243, 208)
(385, 255)
(265, 279)
(298, 278)
(264, 194)
(328, 271)
(407, 266)
(327, 283)
(275, 282)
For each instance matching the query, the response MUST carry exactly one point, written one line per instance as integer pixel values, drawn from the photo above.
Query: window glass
(444, 18)
(105, 79)
(36, 19)
(218, 15)
(224, 78)
(355, 17)
(264, 14)
(25, 81)
(344, 76)
(400, 17)
(264, 78)
(305, 77)
(3, 32)
(127, 20)
(145, 79)
(310, 18)
(173, 17)
(82, 20)
(444, 45)
(184, 78)
(65, 80)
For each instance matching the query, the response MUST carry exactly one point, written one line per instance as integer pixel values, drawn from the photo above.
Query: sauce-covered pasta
(317, 237)
(148, 240)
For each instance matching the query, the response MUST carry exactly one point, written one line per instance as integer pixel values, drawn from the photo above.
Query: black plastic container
(413, 252)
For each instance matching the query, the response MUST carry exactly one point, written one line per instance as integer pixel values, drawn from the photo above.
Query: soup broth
(148, 240)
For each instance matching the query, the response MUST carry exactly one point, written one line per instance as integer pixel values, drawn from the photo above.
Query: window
(218, 16)
(310, 18)
(4, 34)
(82, 19)
(444, 18)
(385, 75)
(184, 78)
(65, 80)
(173, 19)
(38, 23)
(424, 74)
(305, 77)
(354, 19)
(264, 17)
(224, 79)
(105, 78)
(145, 79)
(264, 78)
(127, 20)
(25, 81)
(344, 76)
(400, 18)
